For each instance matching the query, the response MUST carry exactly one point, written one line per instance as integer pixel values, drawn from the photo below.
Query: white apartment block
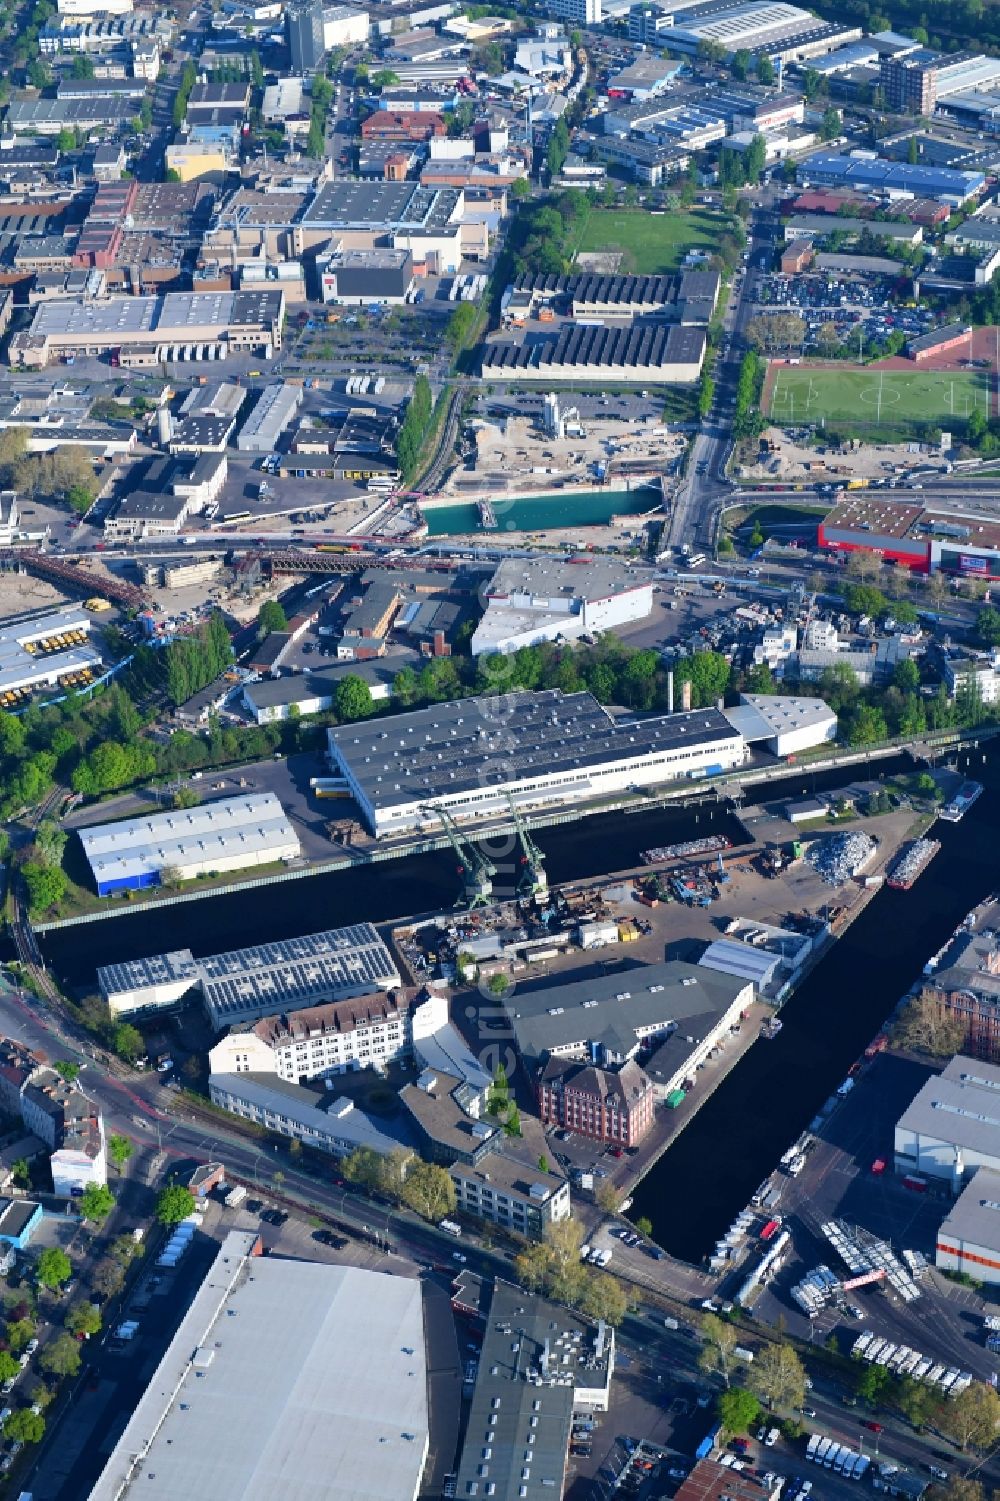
(369, 1031)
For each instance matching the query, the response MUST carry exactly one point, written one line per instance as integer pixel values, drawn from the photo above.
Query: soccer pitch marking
(787, 403)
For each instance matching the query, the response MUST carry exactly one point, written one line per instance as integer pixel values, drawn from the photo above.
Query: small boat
(963, 800)
(771, 1028)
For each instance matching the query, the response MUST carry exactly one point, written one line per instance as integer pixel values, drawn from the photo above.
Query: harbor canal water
(739, 1133)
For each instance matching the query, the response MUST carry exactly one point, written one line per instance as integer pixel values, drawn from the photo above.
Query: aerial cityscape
(499, 777)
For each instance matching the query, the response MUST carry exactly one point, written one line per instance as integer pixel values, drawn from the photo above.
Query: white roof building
(952, 1125)
(40, 652)
(529, 600)
(229, 834)
(786, 725)
(286, 1378)
(969, 1238)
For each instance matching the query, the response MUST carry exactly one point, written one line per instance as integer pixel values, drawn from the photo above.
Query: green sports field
(876, 398)
(650, 244)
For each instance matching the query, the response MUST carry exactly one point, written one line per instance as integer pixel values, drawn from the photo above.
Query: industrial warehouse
(244, 985)
(284, 1378)
(639, 355)
(471, 757)
(539, 599)
(49, 651)
(232, 833)
(146, 331)
(674, 1011)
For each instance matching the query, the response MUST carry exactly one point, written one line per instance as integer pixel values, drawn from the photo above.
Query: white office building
(369, 1031)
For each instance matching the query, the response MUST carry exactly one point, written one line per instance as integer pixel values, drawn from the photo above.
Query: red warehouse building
(913, 536)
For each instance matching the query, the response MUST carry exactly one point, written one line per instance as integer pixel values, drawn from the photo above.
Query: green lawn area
(877, 398)
(652, 243)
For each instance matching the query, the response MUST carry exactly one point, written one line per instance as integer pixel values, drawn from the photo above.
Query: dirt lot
(792, 460)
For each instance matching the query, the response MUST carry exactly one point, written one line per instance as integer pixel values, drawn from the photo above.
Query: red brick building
(608, 1105)
(403, 125)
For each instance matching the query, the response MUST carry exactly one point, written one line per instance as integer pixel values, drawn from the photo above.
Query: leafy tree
(96, 1202)
(603, 1297)
(972, 1419)
(271, 617)
(863, 599)
(872, 1383)
(958, 1488)
(988, 626)
(706, 394)
(765, 69)
(9, 1367)
(174, 1204)
(46, 887)
(738, 1410)
(830, 125)
(778, 1377)
(353, 699)
(429, 1191)
(83, 1318)
(54, 1267)
(558, 148)
(740, 64)
(120, 1149)
(127, 1042)
(460, 327)
(18, 1334)
(363, 1166)
(66, 141)
(708, 674)
(644, 1226)
(66, 1070)
(61, 1356)
(906, 676)
(124, 1249)
(760, 679)
(719, 1341)
(25, 1426)
(868, 726)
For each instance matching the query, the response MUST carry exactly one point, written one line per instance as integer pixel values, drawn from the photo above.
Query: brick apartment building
(608, 1105)
(968, 988)
(403, 125)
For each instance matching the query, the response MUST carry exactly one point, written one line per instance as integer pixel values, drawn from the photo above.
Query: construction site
(522, 454)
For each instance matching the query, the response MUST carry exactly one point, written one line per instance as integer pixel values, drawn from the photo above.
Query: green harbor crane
(475, 869)
(533, 881)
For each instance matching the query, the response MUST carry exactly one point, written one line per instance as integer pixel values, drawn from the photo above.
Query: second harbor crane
(533, 881)
(476, 870)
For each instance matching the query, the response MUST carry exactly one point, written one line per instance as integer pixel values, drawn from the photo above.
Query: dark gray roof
(465, 745)
(534, 1354)
(642, 347)
(611, 1009)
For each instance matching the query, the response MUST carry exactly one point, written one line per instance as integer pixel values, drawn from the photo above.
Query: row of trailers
(837, 1457)
(900, 1360)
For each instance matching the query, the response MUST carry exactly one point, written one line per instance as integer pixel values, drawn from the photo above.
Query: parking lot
(864, 306)
(838, 1181)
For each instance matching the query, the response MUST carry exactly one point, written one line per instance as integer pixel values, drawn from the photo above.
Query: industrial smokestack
(686, 695)
(670, 692)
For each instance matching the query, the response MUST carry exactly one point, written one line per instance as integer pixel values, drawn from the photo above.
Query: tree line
(414, 428)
